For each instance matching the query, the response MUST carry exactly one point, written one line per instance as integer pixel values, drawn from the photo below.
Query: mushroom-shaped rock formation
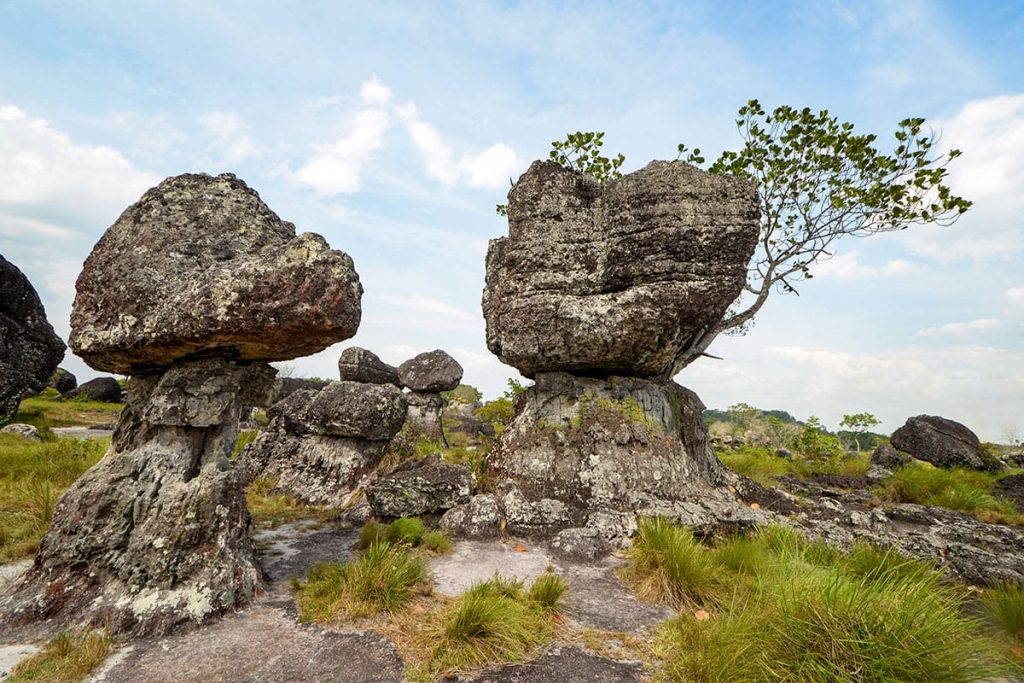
(426, 376)
(617, 277)
(190, 290)
(200, 265)
(29, 348)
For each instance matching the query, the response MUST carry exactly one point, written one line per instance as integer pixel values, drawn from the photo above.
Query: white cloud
(374, 92)
(1015, 295)
(489, 169)
(979, 325)
(424, 304)
(848, 267)
(337, 168)
(230, 138)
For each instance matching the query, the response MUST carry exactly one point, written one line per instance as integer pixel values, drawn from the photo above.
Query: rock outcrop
(617, 277)
(103, 389)
(426, 376)
(23, 430)
(190, 290)
(427, 486)
(62, 381)
(201, 265)
(359, 365)
(29, 348)
(943, 443)
(321, 446)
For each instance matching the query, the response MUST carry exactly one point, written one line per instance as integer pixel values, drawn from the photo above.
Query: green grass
(383, 579)
(1004, 609)
(495, 621)
(272, 508)
(69, 657)
(245, 438)
(965, 490)
(45, 412)
(436, 543)
(765, 467)
(408, 531)
(32, 476)
(775, 607)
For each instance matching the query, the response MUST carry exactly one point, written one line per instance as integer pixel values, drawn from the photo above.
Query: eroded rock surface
(263, 293)
(616, 277)
(943, 443)
(432, 371)
(359, 365)
(419, 487)
(29, 348)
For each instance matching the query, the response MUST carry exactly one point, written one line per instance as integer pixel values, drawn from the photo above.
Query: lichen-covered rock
(157, 534)
(420, 487)
(480, 517)
(943, 443)
(29, 348)
(431, 371)
(201, 266)
(318, 470)
(616, 277)
(103, 389)
(426, 415)
(359, 365)
(23, 430)
(583, 451)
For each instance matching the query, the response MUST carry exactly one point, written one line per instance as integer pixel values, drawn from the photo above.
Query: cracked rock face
(420, 487)
(359, 365)
(617, 277)
(432, 371)
(29, 348)
(201, 266)
(156, 535)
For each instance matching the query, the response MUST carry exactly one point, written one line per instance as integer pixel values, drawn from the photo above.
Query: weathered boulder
(943, 443)
(616, 277)
(375, 412)
(103, 389)
(888, 457)
(480, 517)
(62, 381)
(426, 415)
(23, 430)
(594, 453)
(201, 266)
(420, 487)
(359, 365)
(432, 371)
(29, 348)
(157, 534)
(1012, 488)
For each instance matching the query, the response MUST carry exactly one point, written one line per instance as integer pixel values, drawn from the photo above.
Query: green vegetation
(494, 621)
(69, 657)
(464, 393)
(407, 531)
(774, 607)
(44, 412)
(965, 490)
(245, 437)
(33, 474)
(383, 579)
(272, 508)
(765, 467)
(1005, 606)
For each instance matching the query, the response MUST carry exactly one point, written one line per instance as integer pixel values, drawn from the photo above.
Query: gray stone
(375, 412)
(103, 389)
(616, 277)
(200, 265)
(1012, 488)
(359, 365)
(943, 443)
(420, 487)
(62, 381)
(480, 517)
(566, 664)
(286, 386)
(156, 535)
(432, 371)
(22, 430)
(29, 348)
(426, 415)
(888, 457)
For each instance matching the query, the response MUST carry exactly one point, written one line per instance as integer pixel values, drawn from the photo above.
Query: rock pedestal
(29, 348)
(426, 376)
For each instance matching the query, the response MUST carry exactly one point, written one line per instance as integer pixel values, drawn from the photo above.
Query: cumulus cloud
(848, 267)
(979, 325)
(1015, 295)
(230, 138)
(337, 168)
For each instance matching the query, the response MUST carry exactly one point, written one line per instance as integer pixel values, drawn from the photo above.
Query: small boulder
(432, 371)
(375, 412)
(22, 430)
(943, 443)
(888, 457)
(480, 517)
(426, 486)
(1011, 488)
(63, 381)
(103, 389)
(359, 365)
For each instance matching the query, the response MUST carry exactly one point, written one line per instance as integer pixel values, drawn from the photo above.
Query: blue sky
(393, 128)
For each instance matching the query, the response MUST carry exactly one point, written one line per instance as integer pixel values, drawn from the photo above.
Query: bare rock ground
(265, 642)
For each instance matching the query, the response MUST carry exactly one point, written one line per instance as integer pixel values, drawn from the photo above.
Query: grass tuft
(964, 490)
(271, 508)
(667, 564)
(407, 530)
(436, 543)
(547, 592)
(69, 657)
(1005, 607)
(383, 579)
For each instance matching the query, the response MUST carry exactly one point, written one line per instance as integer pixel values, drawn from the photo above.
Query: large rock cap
(200, 265)
(616, 277)
(943, 443)
(29, 348)
(431, 371)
